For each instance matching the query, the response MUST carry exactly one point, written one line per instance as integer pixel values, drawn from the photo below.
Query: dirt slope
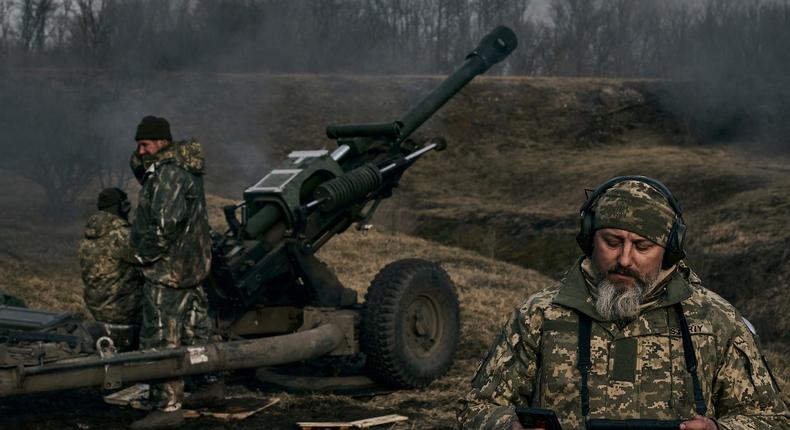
(507, 190)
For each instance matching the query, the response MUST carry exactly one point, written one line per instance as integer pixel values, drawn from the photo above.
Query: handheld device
(538, 418)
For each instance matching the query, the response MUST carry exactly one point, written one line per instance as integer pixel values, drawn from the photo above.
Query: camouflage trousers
(173, 317)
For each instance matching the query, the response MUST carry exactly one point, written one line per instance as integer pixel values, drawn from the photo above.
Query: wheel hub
(423, 325)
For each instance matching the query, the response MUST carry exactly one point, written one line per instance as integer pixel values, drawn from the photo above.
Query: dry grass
(520, 153)
(487, 289)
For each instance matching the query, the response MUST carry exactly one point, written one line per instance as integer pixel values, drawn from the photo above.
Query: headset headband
(658, 186)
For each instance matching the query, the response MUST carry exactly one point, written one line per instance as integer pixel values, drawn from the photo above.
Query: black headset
(674, 250)
(126, 205)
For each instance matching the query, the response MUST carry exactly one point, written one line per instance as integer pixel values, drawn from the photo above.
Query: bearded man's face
(625, 265)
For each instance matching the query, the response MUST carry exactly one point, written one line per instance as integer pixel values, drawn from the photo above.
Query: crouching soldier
(113, 288)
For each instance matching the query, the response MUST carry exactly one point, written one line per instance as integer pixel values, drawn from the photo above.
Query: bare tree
(33, 19)
(6, 26)
(575, 25)
(93, 35)
(60, 26)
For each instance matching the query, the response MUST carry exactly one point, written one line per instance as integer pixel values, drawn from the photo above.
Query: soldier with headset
(629, 333)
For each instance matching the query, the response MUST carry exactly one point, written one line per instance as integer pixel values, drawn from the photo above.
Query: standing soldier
(112, 287)
(171, 243)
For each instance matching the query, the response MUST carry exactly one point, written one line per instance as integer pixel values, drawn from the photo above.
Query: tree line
(621, 38)
(725, 60)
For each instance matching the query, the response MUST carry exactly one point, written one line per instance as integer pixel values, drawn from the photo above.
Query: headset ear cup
(126, 206)
(585, 236)
(675, 250)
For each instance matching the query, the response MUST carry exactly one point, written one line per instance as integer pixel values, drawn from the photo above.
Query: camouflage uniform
(638, 368)
(171, 240)
(113, 288)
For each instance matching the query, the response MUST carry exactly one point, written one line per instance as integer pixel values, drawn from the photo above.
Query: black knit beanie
(153, 128)
(110, 197)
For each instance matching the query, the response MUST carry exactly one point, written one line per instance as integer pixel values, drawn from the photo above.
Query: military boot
(160, 420)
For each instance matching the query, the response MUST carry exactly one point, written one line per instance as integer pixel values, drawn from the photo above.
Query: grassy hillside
(506, 191)
(521, 152)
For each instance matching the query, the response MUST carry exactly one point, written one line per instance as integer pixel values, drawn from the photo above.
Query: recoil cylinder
(348, 188)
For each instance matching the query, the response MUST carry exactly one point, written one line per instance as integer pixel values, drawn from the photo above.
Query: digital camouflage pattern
(638, 369)
(637, 207)
(173, 317)
(170, 237)
(113, 288)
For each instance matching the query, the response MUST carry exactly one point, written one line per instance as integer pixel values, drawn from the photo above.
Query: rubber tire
(398, 297)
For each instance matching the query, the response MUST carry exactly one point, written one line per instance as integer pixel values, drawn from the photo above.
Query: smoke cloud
(77, 75)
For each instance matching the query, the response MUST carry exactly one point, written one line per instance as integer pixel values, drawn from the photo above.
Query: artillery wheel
(410, 323)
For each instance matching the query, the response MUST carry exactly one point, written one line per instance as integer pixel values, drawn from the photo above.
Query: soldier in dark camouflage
(113, 288)
(171, 243)
(641, 310)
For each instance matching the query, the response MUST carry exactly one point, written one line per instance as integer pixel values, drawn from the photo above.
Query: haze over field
(697, 96)
(727, 63)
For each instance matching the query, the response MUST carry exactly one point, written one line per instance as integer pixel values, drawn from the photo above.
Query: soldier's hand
(699, 423)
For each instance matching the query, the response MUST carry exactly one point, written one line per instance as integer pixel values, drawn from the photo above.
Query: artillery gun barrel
(439, 146)
(150, 365)
(383, 129)
(358, 183)
(268, 216)
(493, 48)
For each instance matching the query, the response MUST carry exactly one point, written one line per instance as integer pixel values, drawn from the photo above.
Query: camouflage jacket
(112, 287)
(171, 238)
(638, 369)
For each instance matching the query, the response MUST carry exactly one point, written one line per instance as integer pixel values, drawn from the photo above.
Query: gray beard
(618, 303)
(621, 303)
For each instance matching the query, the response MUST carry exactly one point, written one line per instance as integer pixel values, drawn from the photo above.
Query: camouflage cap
(637, 207)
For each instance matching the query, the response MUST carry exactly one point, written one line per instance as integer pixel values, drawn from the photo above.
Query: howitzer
(273, 300)
(295, 209)
(266, 261)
